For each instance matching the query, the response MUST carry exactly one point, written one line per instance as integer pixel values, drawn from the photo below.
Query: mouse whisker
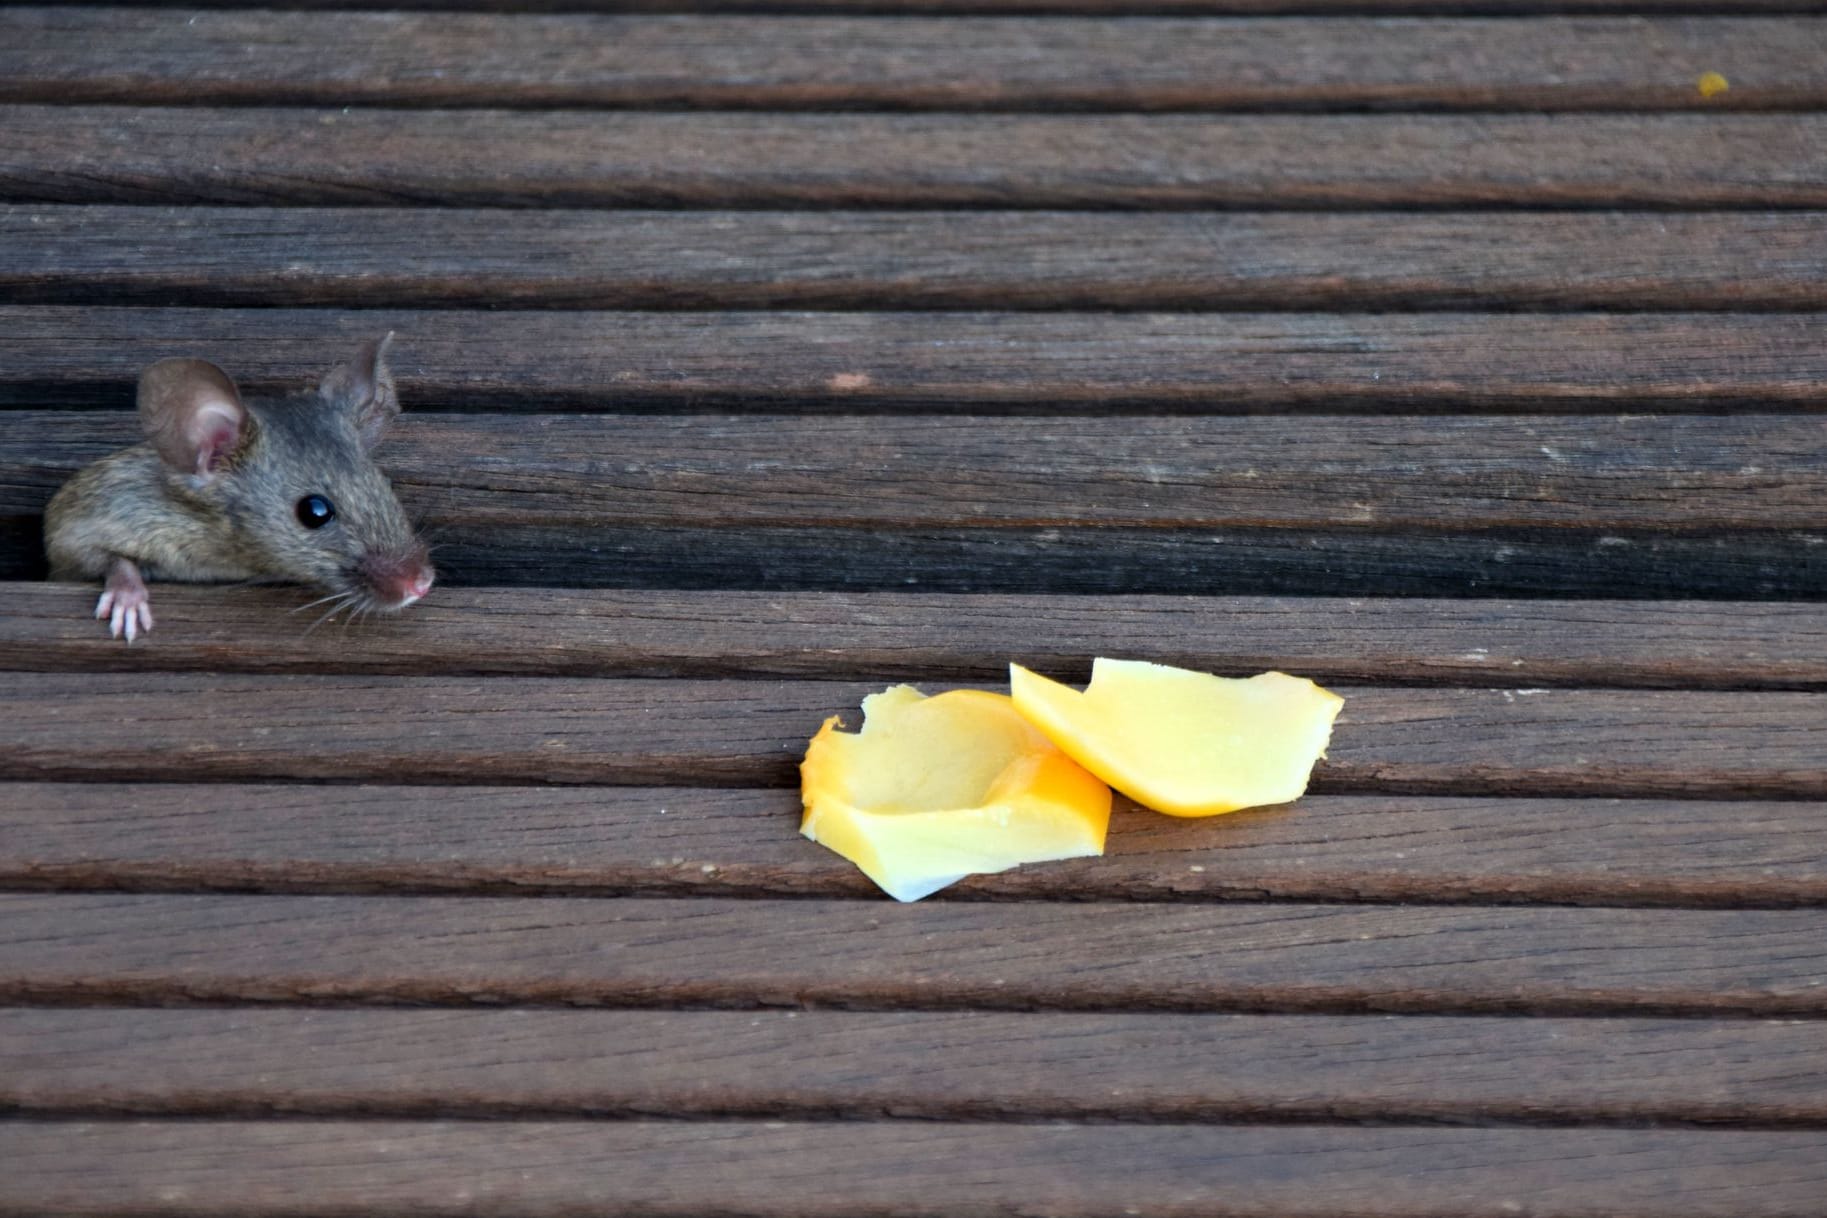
(319, 601)
(356, 614)
(343, 601)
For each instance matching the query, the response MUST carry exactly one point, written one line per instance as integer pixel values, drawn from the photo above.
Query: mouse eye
(314, 511)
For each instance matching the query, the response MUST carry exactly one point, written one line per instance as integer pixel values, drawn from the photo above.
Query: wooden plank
(682, 841)
(1704, 506)
(907, 1169)
(935, 636)
(1121, 8)
(849, 362)
(950, 1066)
(413, 257)
(204, 727)
(112, 949)
(1389, 474)
(105, 154)
(1229, 364)
(76, 55)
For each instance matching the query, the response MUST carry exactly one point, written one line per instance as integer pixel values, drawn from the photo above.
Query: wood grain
(369, 157)
(1394, 474)
(1548, 938)
(952, 1066)
(1718, 507)
(684, 841)
(1123, 8)
(904, 1169)
(662, 952)
(935, 636)
(438, 258)
(1087, 363)
(202, 727)
(779, 62)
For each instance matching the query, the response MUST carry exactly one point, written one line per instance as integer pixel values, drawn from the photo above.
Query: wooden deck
(1468, 357)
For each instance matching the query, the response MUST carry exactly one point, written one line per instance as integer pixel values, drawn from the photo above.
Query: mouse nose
(398, 579)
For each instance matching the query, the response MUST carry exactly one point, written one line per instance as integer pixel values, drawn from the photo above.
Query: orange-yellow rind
(1182, 742)
(934, 789)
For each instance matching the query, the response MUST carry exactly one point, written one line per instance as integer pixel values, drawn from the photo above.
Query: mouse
(248, 489)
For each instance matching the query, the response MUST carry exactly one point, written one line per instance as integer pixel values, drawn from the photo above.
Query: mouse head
(293, 475)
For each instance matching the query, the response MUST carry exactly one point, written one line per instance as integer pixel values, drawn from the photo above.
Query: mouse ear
(192, 414)
(364, 386)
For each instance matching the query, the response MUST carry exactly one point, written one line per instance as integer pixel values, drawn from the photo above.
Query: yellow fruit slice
(1182, 742)
(935, 789)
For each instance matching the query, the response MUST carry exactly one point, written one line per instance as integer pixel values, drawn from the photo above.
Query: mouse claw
(130, 620)
(125, 602)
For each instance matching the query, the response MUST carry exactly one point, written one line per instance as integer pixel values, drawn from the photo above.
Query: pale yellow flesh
(1182, 742)
(935, 789)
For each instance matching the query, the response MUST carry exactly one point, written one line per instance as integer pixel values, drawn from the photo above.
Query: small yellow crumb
(1711, 83)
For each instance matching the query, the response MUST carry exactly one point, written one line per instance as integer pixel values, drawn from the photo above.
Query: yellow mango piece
(1182, 742)
(935, 789)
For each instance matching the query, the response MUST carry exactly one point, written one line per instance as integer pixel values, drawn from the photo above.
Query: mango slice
(935, 789)
(1182, 742)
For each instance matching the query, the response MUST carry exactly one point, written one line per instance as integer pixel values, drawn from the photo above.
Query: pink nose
(416, 587)
(398, 579)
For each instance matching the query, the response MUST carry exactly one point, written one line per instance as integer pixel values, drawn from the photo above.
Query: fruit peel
(1183, 742)
(934, 789)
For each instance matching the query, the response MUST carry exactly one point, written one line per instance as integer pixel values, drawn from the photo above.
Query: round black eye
(314, 511)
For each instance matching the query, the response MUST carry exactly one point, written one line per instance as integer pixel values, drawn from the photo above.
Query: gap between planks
(1734, 566)
(1722, 507)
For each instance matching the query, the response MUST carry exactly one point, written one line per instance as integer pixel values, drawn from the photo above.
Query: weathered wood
(1715, 473)
(952, 1066)
(905, 1169)
(935, 636)
(72, 55)
(1121, 8)
(1703, 506)
(605, 841)
(401, 257)
(1116, 981)
(106, 154)
(202, 727)
(664, 952)
(1037, 363)
(1230, 364)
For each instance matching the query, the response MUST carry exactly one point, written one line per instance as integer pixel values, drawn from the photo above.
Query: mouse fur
(218, 492)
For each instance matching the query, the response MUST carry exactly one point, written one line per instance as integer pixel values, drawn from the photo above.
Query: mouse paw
(125, 602)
